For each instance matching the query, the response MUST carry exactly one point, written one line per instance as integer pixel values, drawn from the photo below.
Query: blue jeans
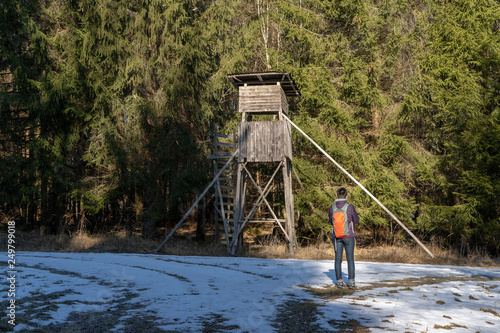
(348, 244)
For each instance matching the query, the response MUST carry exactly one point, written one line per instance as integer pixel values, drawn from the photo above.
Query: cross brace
(262, 198)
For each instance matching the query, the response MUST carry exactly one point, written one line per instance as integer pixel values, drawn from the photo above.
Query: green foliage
(453, 102)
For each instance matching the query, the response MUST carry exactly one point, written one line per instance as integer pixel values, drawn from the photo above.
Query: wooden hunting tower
(264, 136)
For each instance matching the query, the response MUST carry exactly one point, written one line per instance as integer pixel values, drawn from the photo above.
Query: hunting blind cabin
(264, 138)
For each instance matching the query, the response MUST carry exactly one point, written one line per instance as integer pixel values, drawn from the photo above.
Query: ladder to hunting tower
(224, 148)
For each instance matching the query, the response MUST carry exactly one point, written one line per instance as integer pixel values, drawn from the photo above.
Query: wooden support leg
(216, 202)
(239, 209)
(290, 220)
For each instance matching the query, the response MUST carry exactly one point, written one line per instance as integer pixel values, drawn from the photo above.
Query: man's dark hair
(342, 193)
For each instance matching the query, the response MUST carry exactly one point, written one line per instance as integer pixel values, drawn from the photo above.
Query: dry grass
(111, 243)
(80, 242)
(396, 254)
(119, 243)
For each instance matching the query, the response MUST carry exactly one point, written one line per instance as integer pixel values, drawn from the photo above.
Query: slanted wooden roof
(266, 78)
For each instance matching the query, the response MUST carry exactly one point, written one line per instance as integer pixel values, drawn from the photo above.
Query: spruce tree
(454, 101)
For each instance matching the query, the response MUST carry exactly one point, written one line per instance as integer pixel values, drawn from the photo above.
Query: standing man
(342, 217)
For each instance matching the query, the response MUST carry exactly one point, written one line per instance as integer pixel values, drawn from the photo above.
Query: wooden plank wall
(288, 139)
(262, 99)
(284, 102)
(264, 141)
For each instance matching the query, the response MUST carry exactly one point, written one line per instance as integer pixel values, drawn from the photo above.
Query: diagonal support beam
(362, 187)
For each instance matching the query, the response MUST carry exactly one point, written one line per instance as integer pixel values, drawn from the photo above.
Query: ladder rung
(222, 163)
(222, 221)
(266, 221)
(227, 213)
(219, 135)
(227, 173)
(219, 157)
(225, 203)
(226, 183)
(228, 209)
(225, 144)
(225, 179)
(224, 153)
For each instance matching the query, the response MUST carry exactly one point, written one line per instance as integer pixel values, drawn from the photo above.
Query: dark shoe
(340, 284)
(352, 285)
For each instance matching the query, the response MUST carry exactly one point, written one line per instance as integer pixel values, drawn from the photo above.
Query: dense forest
(108, 109)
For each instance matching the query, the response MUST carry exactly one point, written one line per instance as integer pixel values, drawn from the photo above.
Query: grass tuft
(490, 311)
